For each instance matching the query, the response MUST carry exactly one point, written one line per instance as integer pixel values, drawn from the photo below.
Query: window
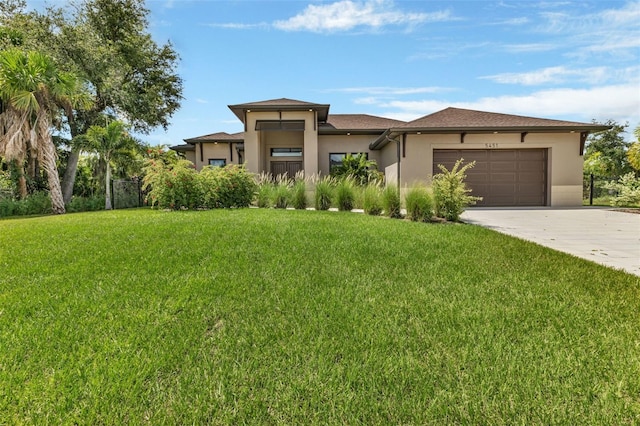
(335, 158)
(286, 152)
(217, 162)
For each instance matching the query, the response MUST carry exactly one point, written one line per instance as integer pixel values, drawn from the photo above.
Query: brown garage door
(502, 177)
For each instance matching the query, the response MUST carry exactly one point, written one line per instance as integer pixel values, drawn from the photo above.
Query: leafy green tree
(106, 142)
(33, 90)
(108, 44)
(633, 154)
(608, 150)
(359, 168)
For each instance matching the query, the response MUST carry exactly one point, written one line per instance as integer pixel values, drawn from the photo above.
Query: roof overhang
(392, 134)
(241, 110)
(183, 148)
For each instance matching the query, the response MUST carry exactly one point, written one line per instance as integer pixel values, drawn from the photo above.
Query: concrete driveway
(601, 235)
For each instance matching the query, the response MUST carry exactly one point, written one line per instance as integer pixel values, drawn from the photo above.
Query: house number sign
(490, 145)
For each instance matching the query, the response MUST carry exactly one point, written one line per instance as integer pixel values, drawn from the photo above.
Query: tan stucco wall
(256, 152)
(191, 156)
(564, 160)
(333, 144)
(212, 150)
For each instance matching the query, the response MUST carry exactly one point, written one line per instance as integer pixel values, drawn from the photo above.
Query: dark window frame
(286, 152)
(334, 163)
(224, 162)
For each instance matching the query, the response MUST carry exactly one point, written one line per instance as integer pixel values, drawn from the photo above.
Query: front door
(288, 167)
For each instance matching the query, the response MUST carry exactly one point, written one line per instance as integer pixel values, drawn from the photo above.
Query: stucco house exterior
(520, 161)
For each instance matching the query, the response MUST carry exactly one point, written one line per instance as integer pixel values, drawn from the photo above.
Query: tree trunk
(107, 189)
(49, 159)
(69, 178)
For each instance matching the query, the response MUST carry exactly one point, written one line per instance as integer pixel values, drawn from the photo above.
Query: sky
(568, 60)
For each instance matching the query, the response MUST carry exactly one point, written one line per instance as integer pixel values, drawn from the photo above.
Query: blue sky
(573, 60)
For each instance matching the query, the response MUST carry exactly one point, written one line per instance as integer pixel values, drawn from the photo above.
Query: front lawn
(299, 317)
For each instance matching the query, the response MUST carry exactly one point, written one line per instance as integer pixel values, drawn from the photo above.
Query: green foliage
(324, 193)
(450, 191)
(633, 155)
(172, 186)
(38, 203)
(357, 166)
(608, 150)
(299, 195)
(108, 142)
(7, 185)
(419, 204)
(372, 202)
(627, 190)
(85, 204)
(391, 202)
(281, 195)
(264, 195)
(345, 193)
(231, 186)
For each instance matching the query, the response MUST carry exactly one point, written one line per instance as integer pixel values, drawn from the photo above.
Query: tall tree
(107, 43)
(33, 91)
(107, 142)
(609, 149)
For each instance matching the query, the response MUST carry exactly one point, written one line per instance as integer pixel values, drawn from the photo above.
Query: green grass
(299, 317)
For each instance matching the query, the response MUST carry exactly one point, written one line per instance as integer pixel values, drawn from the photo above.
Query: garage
(502, 177)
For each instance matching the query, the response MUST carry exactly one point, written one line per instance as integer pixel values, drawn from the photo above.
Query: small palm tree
(33, 93)
(107, 142)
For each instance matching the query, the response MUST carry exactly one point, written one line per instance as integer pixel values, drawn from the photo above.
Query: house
(520, 161)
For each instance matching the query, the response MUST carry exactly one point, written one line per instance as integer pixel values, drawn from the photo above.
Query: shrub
(345, 194)
(299, 195)
(627, 190)
(391, 201)
(450, 191)
(324, 193)
(34, 204)
(264, 195)
(85, 204)
(173, 186)
(372, 202)
(281, 196)
(231, 186)
(359, 168)
(419, 204)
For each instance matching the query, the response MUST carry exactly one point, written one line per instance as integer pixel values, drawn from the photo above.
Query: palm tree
(33, 93)
(107, 142)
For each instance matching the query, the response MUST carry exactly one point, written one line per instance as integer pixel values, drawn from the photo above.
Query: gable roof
(217, 137)
(463, 119)
(458, 120)
(282, 104)
(340, 123)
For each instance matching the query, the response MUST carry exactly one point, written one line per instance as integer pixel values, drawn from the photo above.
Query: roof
(460, 119)
(183, 148)
(217, 137)
(339, 123)
(282, 104)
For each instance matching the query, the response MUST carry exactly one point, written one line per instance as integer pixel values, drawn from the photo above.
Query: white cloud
(348, 14)
(560, 74)
(529, 47)
(619, 102)
(611, 31)
(201, 101)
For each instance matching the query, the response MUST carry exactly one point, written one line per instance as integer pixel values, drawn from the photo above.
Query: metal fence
(593, 188)
(126, 193)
